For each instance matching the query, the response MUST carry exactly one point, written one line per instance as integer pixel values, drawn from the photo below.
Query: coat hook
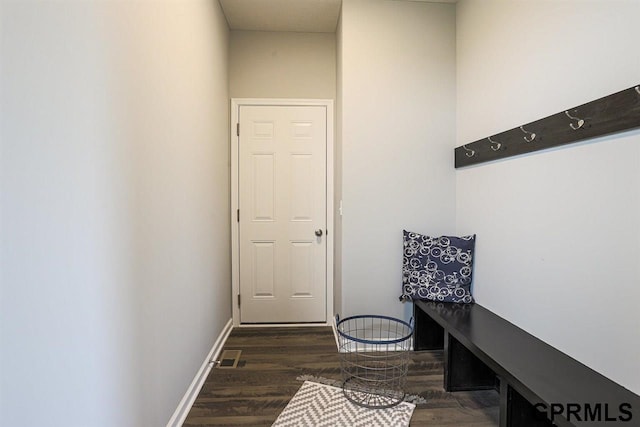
(530, 136)
(469, 153)
(494, 147)
(576, 126)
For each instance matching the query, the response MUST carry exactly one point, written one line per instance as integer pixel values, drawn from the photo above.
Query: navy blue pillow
(437, 268)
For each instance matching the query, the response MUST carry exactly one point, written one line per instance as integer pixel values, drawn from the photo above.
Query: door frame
(236, 103)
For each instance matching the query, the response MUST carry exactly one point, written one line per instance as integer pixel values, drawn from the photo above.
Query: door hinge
(238, 129)
(238, 300)
(238, 215)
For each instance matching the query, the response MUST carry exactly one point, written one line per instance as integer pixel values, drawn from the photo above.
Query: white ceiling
(307, 16)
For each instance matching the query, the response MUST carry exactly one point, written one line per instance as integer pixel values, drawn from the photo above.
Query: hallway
(254, 393)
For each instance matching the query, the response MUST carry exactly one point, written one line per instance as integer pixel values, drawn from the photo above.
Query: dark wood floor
(272, 358)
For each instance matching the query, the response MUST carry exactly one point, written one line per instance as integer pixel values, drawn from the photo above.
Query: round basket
(374, 359)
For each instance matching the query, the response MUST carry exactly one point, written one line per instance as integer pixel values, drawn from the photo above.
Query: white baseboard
(196, 385)
(335, 333)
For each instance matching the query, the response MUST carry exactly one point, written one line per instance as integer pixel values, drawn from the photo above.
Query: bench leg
(504, 402)
(463, 370)
(516, 411)
(427, 333)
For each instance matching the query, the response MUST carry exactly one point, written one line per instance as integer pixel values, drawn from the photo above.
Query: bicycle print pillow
(437, 268)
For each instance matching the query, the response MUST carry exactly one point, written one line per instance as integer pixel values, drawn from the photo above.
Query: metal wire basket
(374, 359)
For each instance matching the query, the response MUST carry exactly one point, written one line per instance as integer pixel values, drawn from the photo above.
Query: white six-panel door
(282, 194)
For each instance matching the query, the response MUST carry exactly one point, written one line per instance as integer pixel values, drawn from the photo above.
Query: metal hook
(469, 153)
(637, 88)
(576, 126)
(494, 148)
(530, 136)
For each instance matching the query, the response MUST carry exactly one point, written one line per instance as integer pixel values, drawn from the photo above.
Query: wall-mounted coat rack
(614, 113)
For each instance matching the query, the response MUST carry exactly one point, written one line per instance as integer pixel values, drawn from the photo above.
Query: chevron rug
(321, 405)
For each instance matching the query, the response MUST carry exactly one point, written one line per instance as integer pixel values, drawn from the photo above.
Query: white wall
(398, 130)
(115, 270)
(558, 245)
(282, 65)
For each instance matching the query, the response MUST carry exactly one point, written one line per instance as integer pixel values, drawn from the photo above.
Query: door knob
(318, 232)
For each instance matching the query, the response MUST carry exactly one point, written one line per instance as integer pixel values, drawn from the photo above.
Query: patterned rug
(322, 405)
(411, 398)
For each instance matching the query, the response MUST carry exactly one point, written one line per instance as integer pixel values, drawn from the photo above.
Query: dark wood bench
(538, 384)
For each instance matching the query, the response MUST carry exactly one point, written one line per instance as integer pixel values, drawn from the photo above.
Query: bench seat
(537, 383)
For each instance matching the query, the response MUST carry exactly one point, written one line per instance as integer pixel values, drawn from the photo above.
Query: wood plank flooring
(257, 391)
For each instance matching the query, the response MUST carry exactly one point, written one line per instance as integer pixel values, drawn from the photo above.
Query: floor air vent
(229, 359)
